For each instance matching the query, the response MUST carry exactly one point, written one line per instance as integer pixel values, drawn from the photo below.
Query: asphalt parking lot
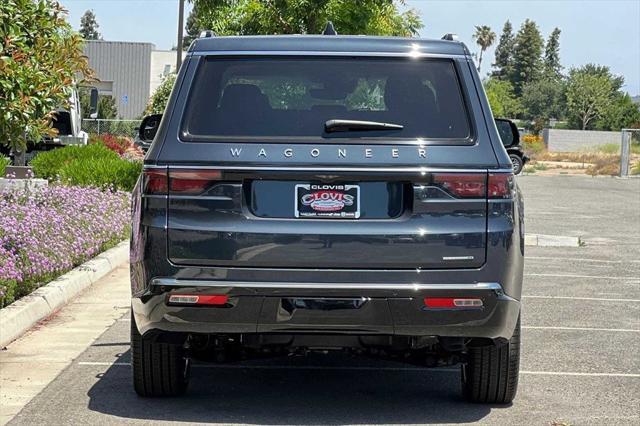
(581, 346)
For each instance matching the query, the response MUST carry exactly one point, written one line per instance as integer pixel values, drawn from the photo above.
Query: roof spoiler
(450, 37)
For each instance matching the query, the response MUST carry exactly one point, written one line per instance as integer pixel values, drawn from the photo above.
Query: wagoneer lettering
(340, 152)
(311, 193)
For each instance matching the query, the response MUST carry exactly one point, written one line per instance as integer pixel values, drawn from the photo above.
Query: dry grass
(602, 160)
(605, 166)
(575, 157)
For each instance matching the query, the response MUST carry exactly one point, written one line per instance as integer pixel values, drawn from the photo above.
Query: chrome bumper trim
(172, 282)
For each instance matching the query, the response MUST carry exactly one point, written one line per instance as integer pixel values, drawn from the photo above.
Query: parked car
(67, 120)
(145, 134)
(307, 193)
(510, 136)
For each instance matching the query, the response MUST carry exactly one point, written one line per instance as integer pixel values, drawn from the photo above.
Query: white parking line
(572, 373)
(597, 299)
(580, 259)
(621, 330)
(355, 368)
(601, 277)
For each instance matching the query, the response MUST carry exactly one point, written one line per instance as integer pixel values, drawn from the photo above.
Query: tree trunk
(480, 60)
(19, 158)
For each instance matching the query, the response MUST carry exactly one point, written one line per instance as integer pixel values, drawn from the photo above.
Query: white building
(129, 72)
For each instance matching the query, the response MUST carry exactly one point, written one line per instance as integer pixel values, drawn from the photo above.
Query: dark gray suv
(327, 193)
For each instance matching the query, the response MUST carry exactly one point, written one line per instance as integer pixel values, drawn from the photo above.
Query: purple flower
(46, 232)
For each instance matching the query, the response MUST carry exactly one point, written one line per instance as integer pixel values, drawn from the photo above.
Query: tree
(504, 53)
(617, 81)
(89, 26)
(621, 113)
(543, 99)
(484, 37)
(527, 53)
(588, 96)
(501, 98)
(160, 97)
(239, 17)
(193, 29)
(106, 106)
(40, 57)
(552, 66)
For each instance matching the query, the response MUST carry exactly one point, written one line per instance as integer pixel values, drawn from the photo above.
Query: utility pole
(180, 30)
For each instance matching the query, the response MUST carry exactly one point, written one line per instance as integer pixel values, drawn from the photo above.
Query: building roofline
(121, 42)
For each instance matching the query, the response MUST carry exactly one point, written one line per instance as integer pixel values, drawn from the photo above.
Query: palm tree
(485, 38)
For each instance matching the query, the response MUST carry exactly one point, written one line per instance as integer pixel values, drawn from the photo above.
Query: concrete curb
(23, 314)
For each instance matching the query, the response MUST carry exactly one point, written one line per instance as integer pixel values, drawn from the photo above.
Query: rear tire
(516, 163)
(490, 374)
(159, 369)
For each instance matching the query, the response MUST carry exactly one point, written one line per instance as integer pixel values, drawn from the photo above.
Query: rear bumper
(386, 309)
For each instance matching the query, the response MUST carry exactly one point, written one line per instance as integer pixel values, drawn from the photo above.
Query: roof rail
(450, 37)
(329, 29)
(207, 34)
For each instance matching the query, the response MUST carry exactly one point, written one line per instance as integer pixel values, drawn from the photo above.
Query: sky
(605, 32)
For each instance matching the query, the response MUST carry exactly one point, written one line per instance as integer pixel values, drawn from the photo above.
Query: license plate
(327, 201)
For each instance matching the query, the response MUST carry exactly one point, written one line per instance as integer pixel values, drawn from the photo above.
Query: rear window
(293, 98)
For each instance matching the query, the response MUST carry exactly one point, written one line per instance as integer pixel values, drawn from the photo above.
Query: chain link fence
(113, 127)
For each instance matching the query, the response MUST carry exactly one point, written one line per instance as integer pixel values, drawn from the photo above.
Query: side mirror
(149, 127)
(93, 103)
(508, 132)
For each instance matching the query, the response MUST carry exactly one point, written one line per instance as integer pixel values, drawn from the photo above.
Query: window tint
(294, 97)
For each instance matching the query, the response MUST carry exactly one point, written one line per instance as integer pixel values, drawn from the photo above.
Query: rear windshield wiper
(358, 125)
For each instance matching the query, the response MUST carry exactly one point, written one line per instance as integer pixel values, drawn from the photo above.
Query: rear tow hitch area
(423, 351)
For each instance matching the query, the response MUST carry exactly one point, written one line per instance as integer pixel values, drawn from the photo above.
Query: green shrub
(48, 164)
(609, 148)
(4, 162)
(90, 165)
(614, 148)
(114, 173)
(636, 169)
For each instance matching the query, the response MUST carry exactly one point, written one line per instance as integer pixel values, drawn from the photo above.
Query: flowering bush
(121, 145)
(117, 144)
(48, 231)
(531, 138)
(533, 145)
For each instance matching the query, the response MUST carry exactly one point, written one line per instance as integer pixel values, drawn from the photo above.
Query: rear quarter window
(291, 98)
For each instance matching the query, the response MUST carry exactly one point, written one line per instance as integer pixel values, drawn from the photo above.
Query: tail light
(462, 185)
(155, 181)
(476, 185)
(190, 182)
(500, 185)
(181, 182)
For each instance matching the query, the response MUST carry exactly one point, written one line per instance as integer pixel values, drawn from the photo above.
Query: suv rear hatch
(330, 216)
